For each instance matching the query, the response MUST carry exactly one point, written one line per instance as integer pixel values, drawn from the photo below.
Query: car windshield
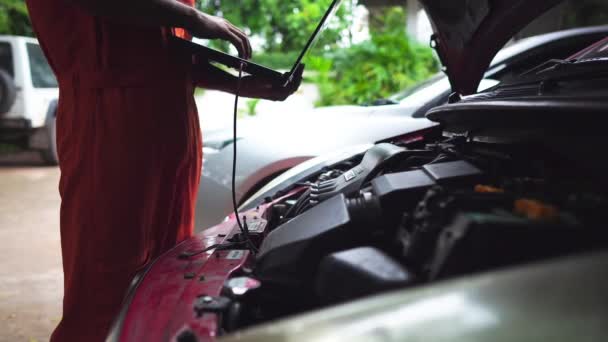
(429, 90)
(42, 75)
(598, 50)
(428, 83)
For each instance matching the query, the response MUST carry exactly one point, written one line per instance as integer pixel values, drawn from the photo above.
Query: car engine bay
(406, 214)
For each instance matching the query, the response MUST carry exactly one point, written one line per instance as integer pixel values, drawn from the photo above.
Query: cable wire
(244, 229)
(219, 246)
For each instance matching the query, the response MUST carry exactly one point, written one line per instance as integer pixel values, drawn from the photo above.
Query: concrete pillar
(412, 9)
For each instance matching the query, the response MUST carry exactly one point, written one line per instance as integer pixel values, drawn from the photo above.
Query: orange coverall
(129, 147)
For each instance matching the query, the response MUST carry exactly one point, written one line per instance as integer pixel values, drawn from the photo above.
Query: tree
(374, 69)
(283, 25)
(585, 13)
(14, 18)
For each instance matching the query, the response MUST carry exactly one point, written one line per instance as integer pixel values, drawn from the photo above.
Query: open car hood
(469, 33)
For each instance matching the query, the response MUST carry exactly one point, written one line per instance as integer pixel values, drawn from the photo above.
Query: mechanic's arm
(210, 77)
(169, 13)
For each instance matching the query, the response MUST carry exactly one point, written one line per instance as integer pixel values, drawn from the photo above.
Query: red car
(513, 177)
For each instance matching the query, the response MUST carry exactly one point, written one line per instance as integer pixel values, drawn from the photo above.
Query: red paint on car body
(162, 305)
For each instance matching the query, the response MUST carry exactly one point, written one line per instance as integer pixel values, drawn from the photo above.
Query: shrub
(386, 63)
(277, 60)
(14, 18)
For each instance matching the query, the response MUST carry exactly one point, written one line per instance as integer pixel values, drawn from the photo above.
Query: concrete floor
(30, 256)
(31, 275)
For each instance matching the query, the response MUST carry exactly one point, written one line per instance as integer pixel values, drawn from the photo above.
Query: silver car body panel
(559, 300)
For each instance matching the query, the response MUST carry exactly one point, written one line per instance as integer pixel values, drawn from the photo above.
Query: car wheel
(50, 153)
(8, 92)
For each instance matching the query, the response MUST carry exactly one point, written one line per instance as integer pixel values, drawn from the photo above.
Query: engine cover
(359, 272)
(291, 253)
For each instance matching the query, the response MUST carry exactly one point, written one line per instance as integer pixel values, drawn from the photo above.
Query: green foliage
(585, 13)
(251, 106)
(14, 19)
(284, 25)
(388, 62)
(8, 148)
(199, 92)
(277, 60)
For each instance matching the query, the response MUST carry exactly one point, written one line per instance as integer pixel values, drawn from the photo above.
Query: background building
(571, 13)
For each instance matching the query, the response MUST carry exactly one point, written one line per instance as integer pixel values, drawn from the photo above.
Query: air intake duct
(291, 253)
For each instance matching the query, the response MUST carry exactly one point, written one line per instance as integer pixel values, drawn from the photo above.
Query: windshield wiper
(560, 70)
(550, 64)
(565, 66)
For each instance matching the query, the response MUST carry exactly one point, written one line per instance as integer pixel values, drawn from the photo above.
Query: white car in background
(271, 144)
(28, 97)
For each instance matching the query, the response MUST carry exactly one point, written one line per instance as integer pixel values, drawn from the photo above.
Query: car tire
(49, 155)
(8, 92)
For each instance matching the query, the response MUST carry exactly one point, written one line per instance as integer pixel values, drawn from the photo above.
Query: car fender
(254, 169)
(263, 175)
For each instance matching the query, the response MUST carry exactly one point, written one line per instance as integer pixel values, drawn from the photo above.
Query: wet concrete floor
(31, 277)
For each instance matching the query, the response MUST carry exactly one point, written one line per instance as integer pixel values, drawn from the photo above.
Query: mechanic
(128, 138)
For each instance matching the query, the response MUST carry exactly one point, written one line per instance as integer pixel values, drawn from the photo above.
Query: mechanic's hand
(258, 88)
(210, 27)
